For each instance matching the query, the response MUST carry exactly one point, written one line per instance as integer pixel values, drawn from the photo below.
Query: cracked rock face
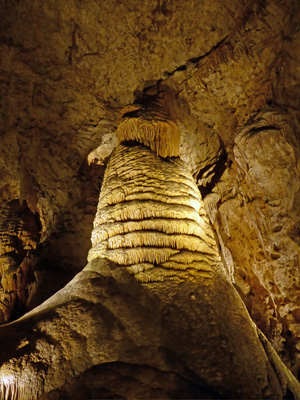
(258, 198)
(230, 72)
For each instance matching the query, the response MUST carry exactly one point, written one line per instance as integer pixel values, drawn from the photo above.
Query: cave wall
(232, 72)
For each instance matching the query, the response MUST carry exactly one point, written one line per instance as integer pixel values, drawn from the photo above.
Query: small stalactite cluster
(19, 236)
(150, 123)
(150, 215)
(9, 390)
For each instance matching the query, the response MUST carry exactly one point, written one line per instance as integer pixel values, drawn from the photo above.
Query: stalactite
(150, 124)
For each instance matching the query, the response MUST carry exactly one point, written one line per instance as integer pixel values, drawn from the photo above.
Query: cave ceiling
(231, 70)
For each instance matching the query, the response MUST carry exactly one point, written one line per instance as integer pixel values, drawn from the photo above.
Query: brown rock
(231, 72)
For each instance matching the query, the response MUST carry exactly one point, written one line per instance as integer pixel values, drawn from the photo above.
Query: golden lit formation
(151, 218)
(150, 125)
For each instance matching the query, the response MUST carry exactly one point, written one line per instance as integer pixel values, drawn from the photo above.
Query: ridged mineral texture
(151, 218)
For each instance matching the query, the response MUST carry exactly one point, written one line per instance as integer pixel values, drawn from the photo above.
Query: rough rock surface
(232, 72)
(151, 220)
(19, 232)
(105, 314)
(258, 197)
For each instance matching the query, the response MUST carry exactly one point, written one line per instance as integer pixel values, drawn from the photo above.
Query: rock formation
(223, 79)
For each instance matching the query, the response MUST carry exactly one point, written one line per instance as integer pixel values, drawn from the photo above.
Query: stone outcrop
(105, 318)
(257, 197)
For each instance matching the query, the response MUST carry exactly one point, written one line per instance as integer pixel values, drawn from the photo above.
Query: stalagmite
(154, 295)
(150, 208)
(150, 217)
(144, 226)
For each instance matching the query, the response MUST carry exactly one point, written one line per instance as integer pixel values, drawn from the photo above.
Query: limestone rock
(90, 316)
(231, 70)
(19, 236)
(255, 206)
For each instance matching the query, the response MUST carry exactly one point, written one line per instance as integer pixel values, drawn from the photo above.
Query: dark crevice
(191, 63)
(218, 169)
(182, 68)
(11, 309)
(256, 130)
(194, 61)
(288, 395)
(73, 47)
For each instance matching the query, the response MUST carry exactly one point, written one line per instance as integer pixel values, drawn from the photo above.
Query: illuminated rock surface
(151, 219)
(231, 74)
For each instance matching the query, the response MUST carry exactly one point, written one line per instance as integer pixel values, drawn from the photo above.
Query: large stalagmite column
(150, 216)
(151, 219)
(152, 314)
(151, 222)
